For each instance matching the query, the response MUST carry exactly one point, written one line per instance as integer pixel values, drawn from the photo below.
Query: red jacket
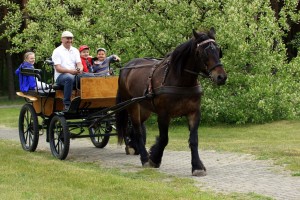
(85, 63)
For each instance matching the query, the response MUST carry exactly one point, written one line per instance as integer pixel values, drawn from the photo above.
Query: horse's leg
(157, 150)
(131, 145)
(198, 168)
(138, 132)
(131, 141)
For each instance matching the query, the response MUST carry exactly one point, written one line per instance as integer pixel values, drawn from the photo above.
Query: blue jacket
(26, 82)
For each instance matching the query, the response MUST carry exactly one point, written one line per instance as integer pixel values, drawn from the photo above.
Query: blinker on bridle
(211, 68)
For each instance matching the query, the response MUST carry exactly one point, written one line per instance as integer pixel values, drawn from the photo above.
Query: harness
(163, 89)
(211, 68)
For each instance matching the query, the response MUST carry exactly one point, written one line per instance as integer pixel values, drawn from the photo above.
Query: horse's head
(208, 52)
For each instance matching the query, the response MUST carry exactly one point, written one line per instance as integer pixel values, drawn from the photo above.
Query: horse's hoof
(130, 150)
(199, 172)
(146, 165)
(154, 165)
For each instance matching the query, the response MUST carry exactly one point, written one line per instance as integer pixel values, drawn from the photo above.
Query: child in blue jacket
(28, 82)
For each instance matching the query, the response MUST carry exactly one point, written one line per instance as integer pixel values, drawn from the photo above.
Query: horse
(172, 90)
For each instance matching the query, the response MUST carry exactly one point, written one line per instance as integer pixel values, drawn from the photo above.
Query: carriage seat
(55, 86)
(44, 91)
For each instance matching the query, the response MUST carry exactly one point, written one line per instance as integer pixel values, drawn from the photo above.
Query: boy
(101, 65)
(86, 59)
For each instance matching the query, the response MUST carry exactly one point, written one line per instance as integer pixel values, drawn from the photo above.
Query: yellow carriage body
(94, 92)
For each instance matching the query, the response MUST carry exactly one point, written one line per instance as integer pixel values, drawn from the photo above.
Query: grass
(38, 175)
(5, 101)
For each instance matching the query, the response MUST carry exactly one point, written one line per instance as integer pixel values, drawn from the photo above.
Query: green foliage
(12, 20)
(260, 87)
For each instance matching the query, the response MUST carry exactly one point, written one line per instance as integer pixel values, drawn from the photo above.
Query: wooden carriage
(94, 100)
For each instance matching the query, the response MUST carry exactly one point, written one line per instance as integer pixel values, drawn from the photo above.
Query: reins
(137, 66)
(203, 74)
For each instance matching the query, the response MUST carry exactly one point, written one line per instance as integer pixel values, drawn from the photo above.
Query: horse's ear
(212, 32)
(196, 35)
(220, 53)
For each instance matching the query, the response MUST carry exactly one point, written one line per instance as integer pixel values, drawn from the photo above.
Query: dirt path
(226, 172)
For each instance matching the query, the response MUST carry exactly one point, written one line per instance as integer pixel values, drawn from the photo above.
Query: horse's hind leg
(132, 141)
(140, 143)
(156, 151)
(198, 168)
(138, 132)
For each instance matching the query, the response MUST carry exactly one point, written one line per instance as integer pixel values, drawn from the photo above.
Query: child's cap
(82, 47)
(101, 49)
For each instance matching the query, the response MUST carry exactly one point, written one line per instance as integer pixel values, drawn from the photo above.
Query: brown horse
(173, 90)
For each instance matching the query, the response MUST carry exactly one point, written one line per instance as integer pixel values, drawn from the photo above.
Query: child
(101, 65)
(29, 82)
(86, 59)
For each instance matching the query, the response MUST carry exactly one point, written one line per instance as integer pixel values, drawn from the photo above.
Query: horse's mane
(180, 54)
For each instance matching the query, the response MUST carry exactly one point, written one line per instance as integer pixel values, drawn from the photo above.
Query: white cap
(67, 34)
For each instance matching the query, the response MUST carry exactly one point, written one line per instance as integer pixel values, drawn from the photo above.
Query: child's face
(85, 53)
(101, 55)
(31, 59)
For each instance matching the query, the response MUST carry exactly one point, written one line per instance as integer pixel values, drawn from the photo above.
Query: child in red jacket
(86, 59)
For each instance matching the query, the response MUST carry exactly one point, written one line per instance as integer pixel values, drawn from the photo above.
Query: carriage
(168, 87)
(91, 114)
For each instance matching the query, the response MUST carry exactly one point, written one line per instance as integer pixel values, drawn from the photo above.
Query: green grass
(9, 117)
(38, 175)
(5, 101)
(10, 110)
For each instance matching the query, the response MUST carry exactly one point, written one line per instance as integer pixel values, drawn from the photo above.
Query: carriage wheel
(102, 128)
(59, 137)
(28, 128)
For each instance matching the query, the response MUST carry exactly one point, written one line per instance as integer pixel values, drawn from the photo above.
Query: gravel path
(226, 172)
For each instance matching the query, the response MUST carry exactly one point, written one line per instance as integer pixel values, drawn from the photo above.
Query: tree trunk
(11, 84)
(294, 28)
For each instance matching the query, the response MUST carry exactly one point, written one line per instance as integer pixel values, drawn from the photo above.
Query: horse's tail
(121, 120)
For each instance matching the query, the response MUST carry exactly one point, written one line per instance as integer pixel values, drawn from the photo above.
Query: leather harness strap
(151, 92)
(196, 90)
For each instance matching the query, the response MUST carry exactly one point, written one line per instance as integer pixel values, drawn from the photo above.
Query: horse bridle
(211, 68)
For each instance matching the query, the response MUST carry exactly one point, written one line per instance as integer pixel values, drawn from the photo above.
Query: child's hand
(117, 58)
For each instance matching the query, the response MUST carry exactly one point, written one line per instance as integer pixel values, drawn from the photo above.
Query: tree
(288, 12)
(10, 25)
(252, 35)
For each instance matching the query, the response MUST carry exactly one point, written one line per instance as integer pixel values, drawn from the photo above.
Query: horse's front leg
(156, 151)
(198, 168)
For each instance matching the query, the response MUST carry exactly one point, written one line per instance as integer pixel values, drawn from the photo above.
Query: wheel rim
(100, 141)
(28, 128)
(59, 137)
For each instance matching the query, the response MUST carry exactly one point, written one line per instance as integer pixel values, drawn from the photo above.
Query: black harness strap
(137, 66)
(196, 90)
